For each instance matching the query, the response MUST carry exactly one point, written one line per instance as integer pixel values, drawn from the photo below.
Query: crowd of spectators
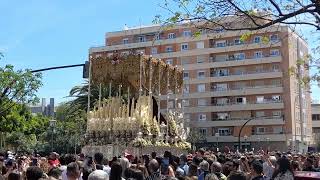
(199, 165)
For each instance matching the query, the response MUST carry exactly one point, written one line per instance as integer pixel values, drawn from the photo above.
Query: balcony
(239, 122)
(252, 138)
(231, 63)
(266, 74)
(196, 52)
(315, 123)
(250, 90)
(236, 107)
(163, 41)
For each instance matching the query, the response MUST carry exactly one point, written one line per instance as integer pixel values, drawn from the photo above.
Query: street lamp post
(52, 124)
(245, 142)
(217, 135)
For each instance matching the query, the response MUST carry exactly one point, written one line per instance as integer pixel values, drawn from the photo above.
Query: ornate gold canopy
(129, 69)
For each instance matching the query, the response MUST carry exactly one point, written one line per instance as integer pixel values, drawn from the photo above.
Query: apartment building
(316, 123)
(229, 80)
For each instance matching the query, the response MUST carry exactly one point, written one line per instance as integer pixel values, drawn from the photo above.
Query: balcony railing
(213, 59)
(243, 88)
(245, 119)
(213, 74)
(265, 133)
(265, 101)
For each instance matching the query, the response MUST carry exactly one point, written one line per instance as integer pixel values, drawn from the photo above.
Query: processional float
(116, 124)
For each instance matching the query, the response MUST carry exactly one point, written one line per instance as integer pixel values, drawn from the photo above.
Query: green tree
(68, 132)
(21, 142)
(17, 87)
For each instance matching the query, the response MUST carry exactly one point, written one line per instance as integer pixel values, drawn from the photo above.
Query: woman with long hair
(283, 170)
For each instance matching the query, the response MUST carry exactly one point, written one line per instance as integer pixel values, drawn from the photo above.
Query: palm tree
(80, 95)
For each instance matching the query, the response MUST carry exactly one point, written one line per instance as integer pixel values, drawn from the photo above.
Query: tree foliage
(17, 87)
(69, 130)
(80, 95)
(258, 14)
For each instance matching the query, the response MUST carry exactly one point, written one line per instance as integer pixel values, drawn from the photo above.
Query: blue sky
(42, 33)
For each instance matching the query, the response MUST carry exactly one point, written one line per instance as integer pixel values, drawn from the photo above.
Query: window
(239, 56)
(125, 41)
(315, 117)
(276, 98)
(278, 130)
(154, 50)
(221, 87)
(202, 117)
(239, 85)
(274, 38)
(200, 45)
(257, 39)
(261, 130)
(201, 87)
(224, 131)
(141, 38)
(185, 61)
(260, 99)
(171, 35)
(258, 54)
(260, 114)
(184, 46)
(169, 61)
(203, 132)
(221, 43)
(222, 101)
(187, 33)
(239, 71)
(241, 100)
(186, 102)
(275, 82)
(222, 72)
(223, 116)
(201, 74)
(259, 83)
(169, 49)
(200, 59)
(238, 42)
(202, 102)
(276, 113)
(275, 67)
(186, 89)
(185, 75)
(220, 58)
(274, 52)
